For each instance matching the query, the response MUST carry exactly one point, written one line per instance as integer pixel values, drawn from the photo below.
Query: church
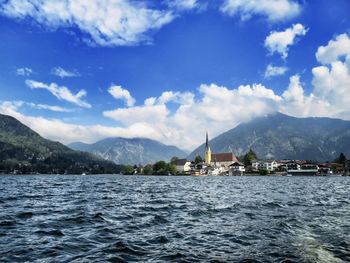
(222, 160)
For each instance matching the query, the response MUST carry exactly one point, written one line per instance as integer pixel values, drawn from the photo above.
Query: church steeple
(207, 153)
(206, 140)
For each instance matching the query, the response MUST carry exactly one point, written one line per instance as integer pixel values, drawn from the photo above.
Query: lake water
(174, 219)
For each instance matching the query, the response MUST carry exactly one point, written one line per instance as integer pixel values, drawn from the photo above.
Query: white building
(270, 165)
(222, 160)
(236, 168)
(183, 166)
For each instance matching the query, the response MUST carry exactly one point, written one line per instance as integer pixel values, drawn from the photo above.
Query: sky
(170, 70)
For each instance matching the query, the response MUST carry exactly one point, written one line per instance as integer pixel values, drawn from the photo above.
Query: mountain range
(274, 136)
(130, 151)
(23, 149)
(284, 137)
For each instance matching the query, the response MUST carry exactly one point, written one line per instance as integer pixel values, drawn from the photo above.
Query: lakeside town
(228, 164)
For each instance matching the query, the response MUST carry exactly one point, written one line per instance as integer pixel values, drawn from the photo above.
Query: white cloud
(217, 109)
(106, 22)
(119, 93)
(336, 49)
(274, 10)
(183, 4)
(279, 42)
(272, 71)
(49, 107)
(331, 80)
(150, 101)
(24, 71)
(171, 96)
(61, 92)
(15, 105)
(62, 73)
(148, 114)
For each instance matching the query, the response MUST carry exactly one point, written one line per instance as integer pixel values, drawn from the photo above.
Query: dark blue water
(174, 219)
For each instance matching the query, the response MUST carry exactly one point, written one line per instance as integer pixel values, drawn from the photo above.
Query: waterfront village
(221, 164)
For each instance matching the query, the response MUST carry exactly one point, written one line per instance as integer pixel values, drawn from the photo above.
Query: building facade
(183, 166)
(269, 165)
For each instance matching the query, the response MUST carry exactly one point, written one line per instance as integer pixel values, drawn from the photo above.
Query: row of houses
(228, 164)
(220, 164)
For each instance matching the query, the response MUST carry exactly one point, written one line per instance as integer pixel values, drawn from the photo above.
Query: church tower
(207, 153)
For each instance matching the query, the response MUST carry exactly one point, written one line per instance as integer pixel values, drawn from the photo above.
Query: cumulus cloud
(279, 42)
(119, 93)
(272, 71)
(62, 73)
(331, 80)
(336, 49)
(274, 10)
(106, 22)
(150, 101)
(61, 92)
(24, 72)
(149, 114)
(218, 106)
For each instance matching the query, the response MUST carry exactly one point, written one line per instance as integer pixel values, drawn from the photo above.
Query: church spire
(207, 153)
(206, 140)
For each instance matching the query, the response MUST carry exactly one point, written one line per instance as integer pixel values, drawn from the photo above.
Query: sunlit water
(174, 219)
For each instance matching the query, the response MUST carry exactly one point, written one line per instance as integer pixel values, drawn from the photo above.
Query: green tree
(174, 159)
(148, 169)
(341, 159)
(128, 169)
(249, 157)
(171, 169)
(263, 172)
(160, 168)
(198, 159)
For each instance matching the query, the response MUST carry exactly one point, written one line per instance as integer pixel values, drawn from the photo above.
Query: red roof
(223, 157)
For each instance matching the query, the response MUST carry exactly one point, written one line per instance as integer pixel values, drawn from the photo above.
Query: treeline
(59, 164)
(159, 168)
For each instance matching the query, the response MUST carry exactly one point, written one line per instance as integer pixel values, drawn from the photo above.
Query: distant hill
(130, 151)
(284, 137)
(22, 148)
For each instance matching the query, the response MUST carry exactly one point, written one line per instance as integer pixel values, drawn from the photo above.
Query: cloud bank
(106, 22)
(181, 118)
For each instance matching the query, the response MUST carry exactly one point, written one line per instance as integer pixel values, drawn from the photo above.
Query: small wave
(55, 232)
(198, 212)
(122, 247)
(24, 215)
(158, 219)
(7, 223)
(159, 240)
(273, 205)
(174, 256)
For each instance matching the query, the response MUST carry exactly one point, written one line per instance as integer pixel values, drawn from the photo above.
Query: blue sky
(170, 70)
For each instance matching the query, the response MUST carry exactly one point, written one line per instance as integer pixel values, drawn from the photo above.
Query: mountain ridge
(24, 149)
(136, 150)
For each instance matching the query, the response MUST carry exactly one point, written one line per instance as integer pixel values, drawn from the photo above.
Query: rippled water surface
(174, 219)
